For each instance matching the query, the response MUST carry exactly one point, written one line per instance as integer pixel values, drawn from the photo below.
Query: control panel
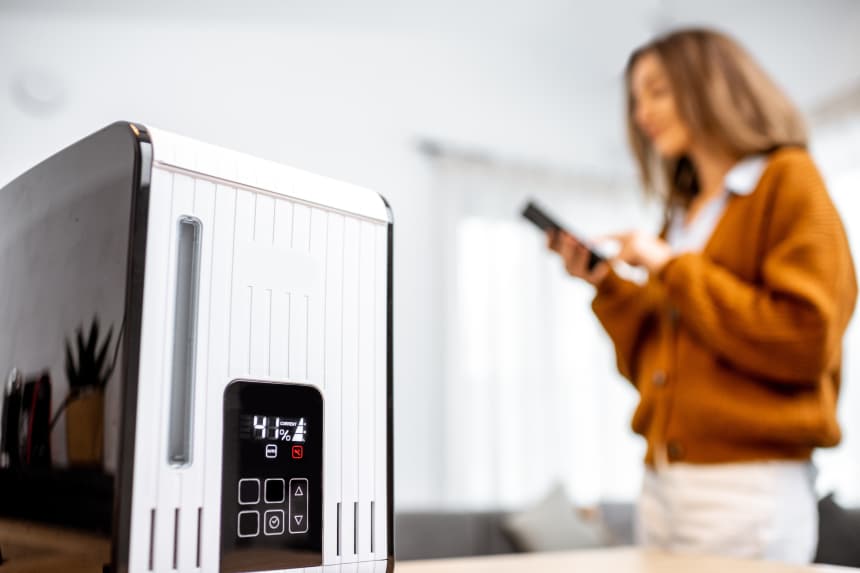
(271, 502)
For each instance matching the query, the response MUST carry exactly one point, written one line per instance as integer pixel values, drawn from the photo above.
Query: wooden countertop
(32, 548)
(37, 548)
(616, 560)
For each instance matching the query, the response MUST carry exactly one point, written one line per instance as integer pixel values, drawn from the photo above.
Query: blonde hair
(723, 96)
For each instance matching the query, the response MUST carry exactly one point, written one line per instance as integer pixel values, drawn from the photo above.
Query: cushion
(553, 524)
(439, 534)
(838, 534)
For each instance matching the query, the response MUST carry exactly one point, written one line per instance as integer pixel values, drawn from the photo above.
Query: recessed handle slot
(184, 341)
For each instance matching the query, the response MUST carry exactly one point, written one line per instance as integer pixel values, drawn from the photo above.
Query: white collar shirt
(742, 179)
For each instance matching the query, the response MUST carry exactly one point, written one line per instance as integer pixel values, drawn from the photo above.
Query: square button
(249, 524)
(273, 522)
(275, 490)
(249, 491)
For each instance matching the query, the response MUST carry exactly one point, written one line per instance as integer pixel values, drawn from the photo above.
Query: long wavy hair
(723, 96)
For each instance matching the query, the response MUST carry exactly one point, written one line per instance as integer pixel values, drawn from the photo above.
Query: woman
(734, 342)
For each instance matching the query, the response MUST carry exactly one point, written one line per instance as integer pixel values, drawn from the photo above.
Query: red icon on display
(298, 452)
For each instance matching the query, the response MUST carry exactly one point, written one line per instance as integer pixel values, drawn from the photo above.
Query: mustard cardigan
(736, 351)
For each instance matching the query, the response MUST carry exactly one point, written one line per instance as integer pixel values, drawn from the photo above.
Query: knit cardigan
(736, 351)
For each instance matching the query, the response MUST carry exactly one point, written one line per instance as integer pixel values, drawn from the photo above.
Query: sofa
(437, 534)
(440, 534)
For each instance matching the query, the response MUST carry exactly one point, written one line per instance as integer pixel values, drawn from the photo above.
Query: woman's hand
(643, 250)
(575, 256)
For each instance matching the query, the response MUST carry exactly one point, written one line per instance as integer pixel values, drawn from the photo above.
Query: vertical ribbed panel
(332, 376)
(287, 292)
(280, 354)
(241, 296)
(193, 475)
(380, 393)
(316, 304)
(220, 313)
(366, 373)
(169, 485)
(146, 467)
(349, 390)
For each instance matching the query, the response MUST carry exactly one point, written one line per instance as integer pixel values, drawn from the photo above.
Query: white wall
(344, 88)
(318, 101)
(341, 92)
(837, 148)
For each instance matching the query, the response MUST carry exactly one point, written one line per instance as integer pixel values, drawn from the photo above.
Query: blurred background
(456, 112)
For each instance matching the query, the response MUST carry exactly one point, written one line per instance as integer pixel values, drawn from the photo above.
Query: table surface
(32, 548)
(37, 548)
(623, 560)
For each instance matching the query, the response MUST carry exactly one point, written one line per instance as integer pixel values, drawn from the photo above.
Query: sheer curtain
(531, 392)
(837, 149)
(532, 396)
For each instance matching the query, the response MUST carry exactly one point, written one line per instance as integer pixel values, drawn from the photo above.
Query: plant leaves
(103, 375)
(82, 365)
(94, 338)
(92, 368)
(71, 368)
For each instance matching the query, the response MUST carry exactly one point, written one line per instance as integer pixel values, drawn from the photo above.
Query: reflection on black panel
(64, 244)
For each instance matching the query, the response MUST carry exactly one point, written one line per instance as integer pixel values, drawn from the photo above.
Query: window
(532, 394)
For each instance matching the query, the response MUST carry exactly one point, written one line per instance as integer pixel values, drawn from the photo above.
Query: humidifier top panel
(185, 154)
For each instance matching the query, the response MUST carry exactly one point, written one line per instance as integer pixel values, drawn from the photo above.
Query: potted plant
(88, 371)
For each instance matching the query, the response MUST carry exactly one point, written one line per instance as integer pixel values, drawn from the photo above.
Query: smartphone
(546, 223)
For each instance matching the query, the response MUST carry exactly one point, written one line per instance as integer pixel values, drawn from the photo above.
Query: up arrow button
(298, 505)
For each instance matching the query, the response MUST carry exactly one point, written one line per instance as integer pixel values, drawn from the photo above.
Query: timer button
(273, 522)
(249, 491)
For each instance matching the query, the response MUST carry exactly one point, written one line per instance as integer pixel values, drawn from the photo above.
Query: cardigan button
(674, 451)
(658, 378)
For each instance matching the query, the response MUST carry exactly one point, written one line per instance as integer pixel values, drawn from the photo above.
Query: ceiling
(532, 79)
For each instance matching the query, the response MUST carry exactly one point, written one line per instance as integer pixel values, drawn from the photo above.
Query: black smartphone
(546, 223)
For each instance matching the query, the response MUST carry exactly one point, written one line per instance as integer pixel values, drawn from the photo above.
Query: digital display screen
(273, 428)
(271, 492)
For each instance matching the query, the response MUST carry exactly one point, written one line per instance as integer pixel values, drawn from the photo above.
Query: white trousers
(761, 510)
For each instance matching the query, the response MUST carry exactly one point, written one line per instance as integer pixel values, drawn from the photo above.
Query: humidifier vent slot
(151, 562)
(184, 341)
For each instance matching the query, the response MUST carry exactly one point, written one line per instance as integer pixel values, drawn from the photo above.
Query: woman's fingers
(628, 245)
(577, 260)
(598, 273)
(555, 239)
(643, 250)
(565, 249)
(627, 252)
(576, 256)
